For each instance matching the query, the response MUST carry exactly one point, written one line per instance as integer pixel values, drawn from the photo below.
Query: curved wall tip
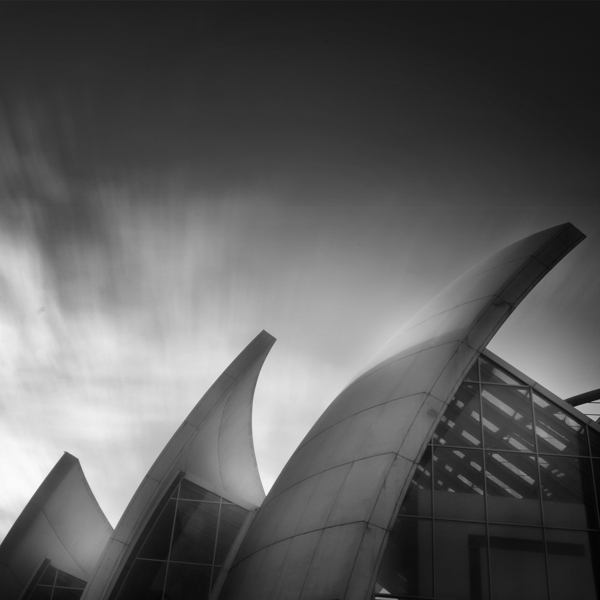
(62, 522)
(213, 447)
(323, 527)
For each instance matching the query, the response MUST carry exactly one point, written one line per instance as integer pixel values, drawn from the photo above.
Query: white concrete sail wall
(213, 447)
(322, 529)
(62, 522)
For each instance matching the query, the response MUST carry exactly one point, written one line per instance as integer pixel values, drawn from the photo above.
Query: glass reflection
(461, 422)
(507, 418)
(181, 554)
(512, 488)
(458, 488)
(491, 373)
(568, 493)
(556, 431)
(536, 482)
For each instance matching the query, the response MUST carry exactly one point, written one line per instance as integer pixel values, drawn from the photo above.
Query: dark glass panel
(513, 488)
(461, 571)
(41, 593)
(473, 374)
(417, 501)
(230, 521)
(145, 581)
(557, 431)
(458, 487)
(48, 576)
(190, 491)
(187, 582)
(65, 580)
(507, 420)
(195, 532)
(568, 492)
(517, 563)
(490, 373)
(573, 561)
(406, 569)
(66, 594)
(594, 441)
(158, 541)
(461, 423)
(596, 467)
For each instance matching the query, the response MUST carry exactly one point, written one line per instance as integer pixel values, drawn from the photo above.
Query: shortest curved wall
(62, 522)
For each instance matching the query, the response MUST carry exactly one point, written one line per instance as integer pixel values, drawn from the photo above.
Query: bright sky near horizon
(175, 178)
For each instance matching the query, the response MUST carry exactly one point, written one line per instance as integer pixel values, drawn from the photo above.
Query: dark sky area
(175, 177)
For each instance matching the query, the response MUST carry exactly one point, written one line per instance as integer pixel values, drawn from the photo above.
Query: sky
(175, 178)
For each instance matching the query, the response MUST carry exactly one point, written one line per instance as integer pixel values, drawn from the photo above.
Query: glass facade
(52, 584)
(180, 553)
(504, 503)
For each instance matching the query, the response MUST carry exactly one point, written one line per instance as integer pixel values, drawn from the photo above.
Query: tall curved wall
(322, 529)
(62, 522)
(213, 447)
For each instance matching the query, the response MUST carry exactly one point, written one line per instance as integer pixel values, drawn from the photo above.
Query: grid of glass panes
(53, 584)
(181, 552)
(504, 503)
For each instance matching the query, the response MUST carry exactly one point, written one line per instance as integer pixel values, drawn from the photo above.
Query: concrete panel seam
(60, 540)
(385, 363)
(350, 462)
(358, 412)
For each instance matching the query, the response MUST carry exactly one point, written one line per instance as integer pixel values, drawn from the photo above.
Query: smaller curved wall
(63, 523)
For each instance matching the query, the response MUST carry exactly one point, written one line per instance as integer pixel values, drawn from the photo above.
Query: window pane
(513, 488)
(517, 563)
(594, 441)
(145, 581)
(473, 374)
(507, 421)
(573, 559)
(461, 423)
(190, 491)
(230, 521)
(417, 501)
(48, 576)
(461, 561)
(557, 431)
(159, 539)
(568, 492)
(66, 594)
(187, 582)
(195, 532)
(406, 569)
(65, 580)
(458, 489)
(493, 374)
(41, 593)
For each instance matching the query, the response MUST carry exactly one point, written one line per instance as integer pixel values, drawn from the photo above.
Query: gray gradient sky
(175, 178)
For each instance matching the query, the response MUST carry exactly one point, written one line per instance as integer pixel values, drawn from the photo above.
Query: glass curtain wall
(179, 555)
(504, 503)
(53, 584)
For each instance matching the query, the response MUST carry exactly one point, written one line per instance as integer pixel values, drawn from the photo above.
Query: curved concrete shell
(62, 522)
(321, 532)
(213, 448)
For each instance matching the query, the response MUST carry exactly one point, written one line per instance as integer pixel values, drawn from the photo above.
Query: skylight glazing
(504, 503)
